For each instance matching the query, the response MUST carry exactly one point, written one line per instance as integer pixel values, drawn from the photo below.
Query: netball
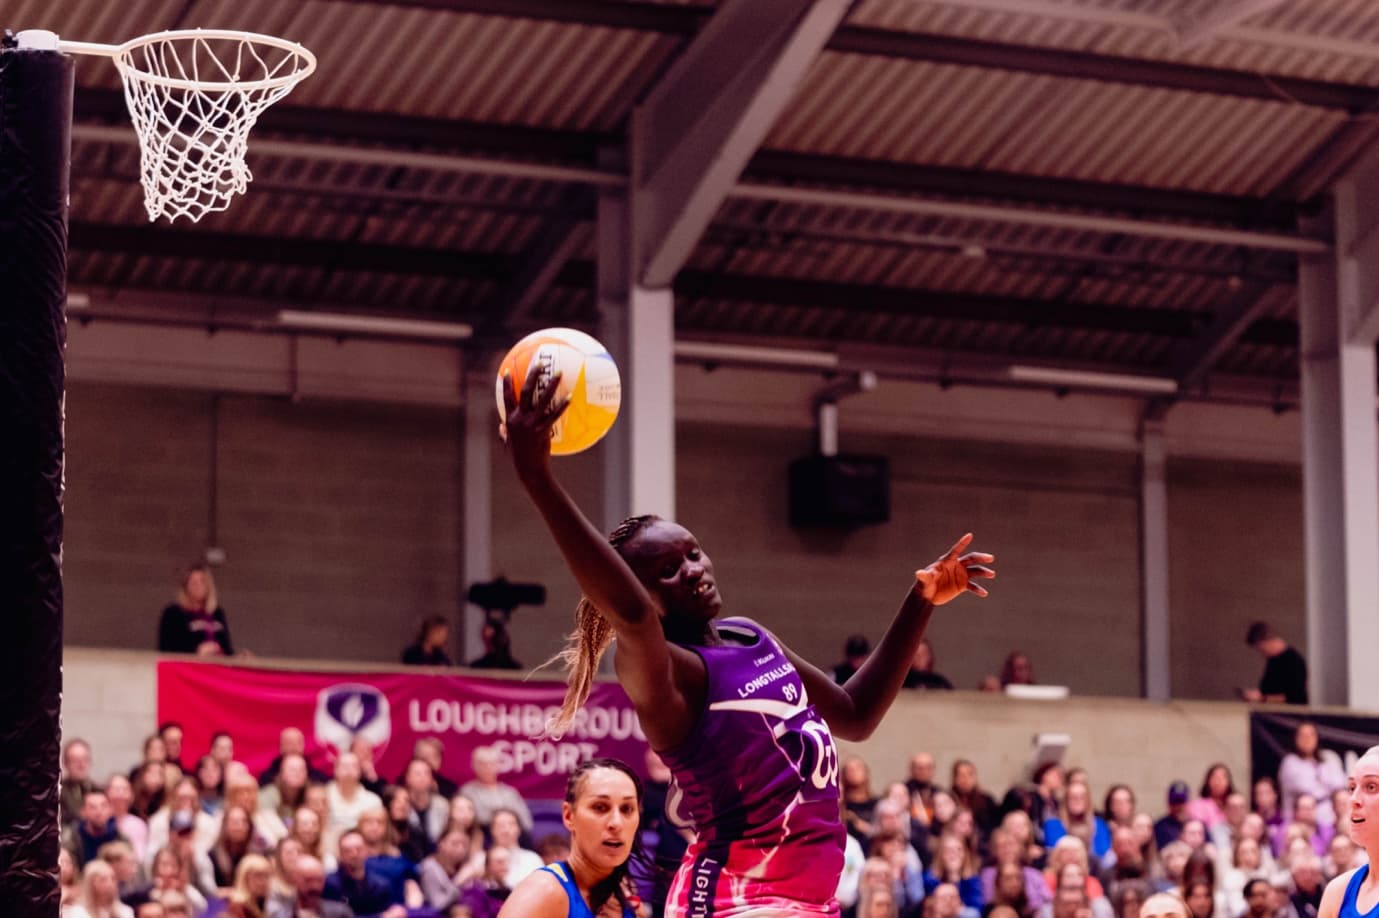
(588, 378)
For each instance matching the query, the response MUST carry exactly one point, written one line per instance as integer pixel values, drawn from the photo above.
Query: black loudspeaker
(840, 491)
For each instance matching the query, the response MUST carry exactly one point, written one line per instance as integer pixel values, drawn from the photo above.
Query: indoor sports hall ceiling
(957, 187)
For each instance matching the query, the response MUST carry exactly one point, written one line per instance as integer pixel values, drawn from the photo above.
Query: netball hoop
(193, 96)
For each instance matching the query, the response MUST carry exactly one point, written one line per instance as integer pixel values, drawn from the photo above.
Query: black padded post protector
(35, 138)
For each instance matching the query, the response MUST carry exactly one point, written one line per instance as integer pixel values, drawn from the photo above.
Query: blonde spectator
(306, 828)
(99, 895)
(67, 878)
(242, 790)
(253, 885)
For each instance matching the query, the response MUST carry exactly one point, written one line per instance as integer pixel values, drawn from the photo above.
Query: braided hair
(613, 886)
(585, 646)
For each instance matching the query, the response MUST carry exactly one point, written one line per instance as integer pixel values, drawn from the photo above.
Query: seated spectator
(283, 886)
(1170, 826)
(252, 886)
(465, 817)
(1217, 785)
(68, 878)
(171, 732)
(130, 881)
(506, 832)
(1008, 888)
(346, 796)
(1077, 818)
(893, 815)
(921, 674)
(1200, 900)
(553, 848)
(96, 827)
(1018, 824)
(1071, 851)
(121, 796)
(306, 828)
(1342, 854)
(921, 786)
(1143, 827)
(955, 863)
(968, 794)
(99, 897)
(855, 651)
(182, 840)
(1007, 850)
(1305, 826)
(497, 646)
(368, 769)
(364, 892)
(287, 793)
(223, 750)
(1308, 885)
(1017, 670)
(1127, 897)
(210, 778)
(186, 800)
(411, 841)
(878, 902)
(1246, 865)
(1174, 858)
(1163, 905)
(291, 742)
(235, 842)
(859, 800)
(877, 874)
(241, 790)
(947, 903)
(429, 647)
(445, 872)
(1074, 890)
(76, 780)
(195, 623)
(1201, 869)
(1259, 902)
(486, 893)
(306, 901)
(489, 793)
(1124, 862)
(150, 909)
(1310, 769)
(429, 811)
(1119, 807)
(1224, 834)
(150, 787)
(432, 751)
(172, 874)
(386, 860)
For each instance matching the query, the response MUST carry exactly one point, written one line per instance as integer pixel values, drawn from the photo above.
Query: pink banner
(394, 710)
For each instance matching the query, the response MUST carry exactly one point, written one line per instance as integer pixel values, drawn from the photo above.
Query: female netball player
(742, 722)
(1355, 893)
(602, 808)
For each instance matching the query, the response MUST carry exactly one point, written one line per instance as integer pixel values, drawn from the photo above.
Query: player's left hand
(952, 575)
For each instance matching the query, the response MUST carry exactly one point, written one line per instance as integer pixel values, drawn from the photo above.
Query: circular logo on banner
(349, 709)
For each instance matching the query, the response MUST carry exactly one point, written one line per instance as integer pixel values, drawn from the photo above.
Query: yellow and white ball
(588, 377)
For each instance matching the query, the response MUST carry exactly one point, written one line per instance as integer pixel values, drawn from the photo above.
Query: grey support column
(480, 432)
(1339, 318)
(1157, 663)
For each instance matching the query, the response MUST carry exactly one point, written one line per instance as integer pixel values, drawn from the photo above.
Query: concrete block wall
(341, 525)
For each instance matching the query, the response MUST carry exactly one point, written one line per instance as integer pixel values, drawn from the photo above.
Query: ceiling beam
(1142, 200)
(707, 116)
(1207, 23)
(684, 21)
(1229, 323)
(157, 241)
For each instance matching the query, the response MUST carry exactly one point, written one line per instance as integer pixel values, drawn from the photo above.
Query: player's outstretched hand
(530, 417)
(953, 574)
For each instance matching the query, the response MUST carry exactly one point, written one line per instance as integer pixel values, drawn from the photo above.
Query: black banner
(1271, 737)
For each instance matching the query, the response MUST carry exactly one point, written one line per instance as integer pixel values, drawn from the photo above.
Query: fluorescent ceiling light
(740, 353)
(372, 326)
(1089, 380)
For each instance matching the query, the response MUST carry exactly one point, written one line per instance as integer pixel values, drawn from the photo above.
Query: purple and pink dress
(757, 781)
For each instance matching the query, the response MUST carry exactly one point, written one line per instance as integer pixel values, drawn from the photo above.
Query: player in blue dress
(1355, 893)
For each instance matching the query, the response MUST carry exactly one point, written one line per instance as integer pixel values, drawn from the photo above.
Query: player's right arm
(649, 665)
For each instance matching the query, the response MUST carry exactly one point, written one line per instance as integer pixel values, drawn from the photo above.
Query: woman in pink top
(1216, 787)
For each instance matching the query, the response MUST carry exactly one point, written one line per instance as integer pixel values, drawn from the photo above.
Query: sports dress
(757, 781)
(1350, 908)
(578, 907)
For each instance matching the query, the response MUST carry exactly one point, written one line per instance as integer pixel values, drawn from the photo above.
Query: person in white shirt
(347, 797)
(489, 794)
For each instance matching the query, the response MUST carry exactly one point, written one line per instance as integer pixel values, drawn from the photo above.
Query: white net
(193, 97)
